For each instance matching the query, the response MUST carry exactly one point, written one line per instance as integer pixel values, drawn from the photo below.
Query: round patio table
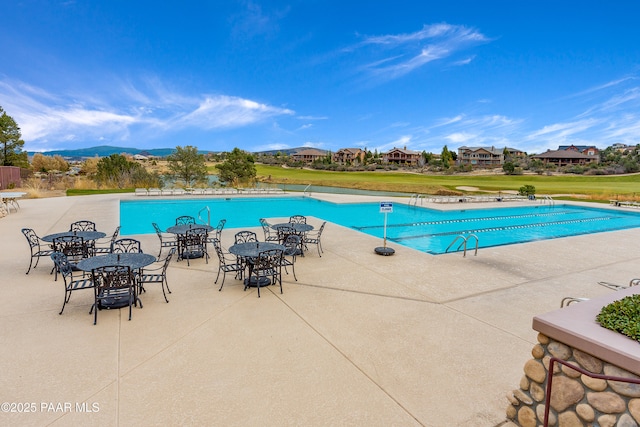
(180, 231)
(10, 198)
(86, 235)
(250, 251)
(132, 260)
(299, 229)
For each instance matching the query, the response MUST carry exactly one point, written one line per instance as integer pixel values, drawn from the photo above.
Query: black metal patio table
(132, 260)
(299, 229)
(86, 235)
(251, 251)
(180, 231)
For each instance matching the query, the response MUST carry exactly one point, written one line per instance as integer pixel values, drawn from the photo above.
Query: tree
(508, 168)
(239, 166)
(117, 171)
(11, 143)
(90, 166)
(186, 164)
(527, 190)
(446, 157)
(42, 163)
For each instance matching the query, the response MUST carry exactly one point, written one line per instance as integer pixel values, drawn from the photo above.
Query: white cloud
(562, 130)
(414, 50)
(460, 137)
(46, 118)
(312, 117)
(271, 147)
(228, 111)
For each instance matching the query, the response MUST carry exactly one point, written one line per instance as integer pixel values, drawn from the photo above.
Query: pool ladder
(415, 198)
(465, 240)
(206, 208)
(304, 192)
(548, 199)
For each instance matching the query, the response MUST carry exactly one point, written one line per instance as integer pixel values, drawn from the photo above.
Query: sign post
(385, 208)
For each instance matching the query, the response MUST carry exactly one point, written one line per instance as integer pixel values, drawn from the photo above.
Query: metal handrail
(458, 237)
(464, 242)
(415, 198)
(208, 215)
(304, 192)
(553, 360)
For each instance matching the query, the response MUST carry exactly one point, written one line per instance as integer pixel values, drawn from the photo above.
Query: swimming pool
(424, 229)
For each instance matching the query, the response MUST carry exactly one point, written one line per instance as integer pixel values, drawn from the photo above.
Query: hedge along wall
(576, 399)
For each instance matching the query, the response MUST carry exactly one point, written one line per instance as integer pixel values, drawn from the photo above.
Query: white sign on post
(386, 207)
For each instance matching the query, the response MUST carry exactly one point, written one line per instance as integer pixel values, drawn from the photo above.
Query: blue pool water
(427, 230)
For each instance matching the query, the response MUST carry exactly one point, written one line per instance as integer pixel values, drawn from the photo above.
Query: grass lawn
(594, 187)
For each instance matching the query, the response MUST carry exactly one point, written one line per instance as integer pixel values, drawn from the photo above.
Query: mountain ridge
(107, 150)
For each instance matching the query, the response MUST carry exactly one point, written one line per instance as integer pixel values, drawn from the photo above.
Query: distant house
(514, 152)
(349, 156)
(618, 146)
(308, 155)
(402, 156)
(566, 157)
(482, 157)
(140, 157)
(588, 150)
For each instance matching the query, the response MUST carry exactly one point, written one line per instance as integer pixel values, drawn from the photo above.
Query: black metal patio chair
(270, 235)
(268, 265)
(166, 240)
(314, 238)
(157, 274)
(115, 287)
(72, 282)
(226, 263)
(194, 244)
(38, 247)
(73, 247)
(99, 249)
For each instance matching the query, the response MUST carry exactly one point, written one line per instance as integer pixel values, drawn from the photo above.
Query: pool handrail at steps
(464, 242)
(208, 215)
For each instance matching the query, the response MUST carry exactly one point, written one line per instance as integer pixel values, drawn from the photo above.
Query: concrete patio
(359, 339)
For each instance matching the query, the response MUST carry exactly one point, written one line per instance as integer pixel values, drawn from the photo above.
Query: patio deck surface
(360, 339)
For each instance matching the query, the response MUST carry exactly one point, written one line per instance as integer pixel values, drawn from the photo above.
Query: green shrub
(527, 190)
(622, 316)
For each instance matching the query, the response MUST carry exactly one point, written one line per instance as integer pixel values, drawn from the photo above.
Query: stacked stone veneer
(576, 399)
(3, 210)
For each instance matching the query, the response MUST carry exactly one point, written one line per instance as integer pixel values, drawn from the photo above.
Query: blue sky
(263, 75)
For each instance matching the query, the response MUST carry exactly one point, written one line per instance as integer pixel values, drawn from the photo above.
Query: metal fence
(11, 177)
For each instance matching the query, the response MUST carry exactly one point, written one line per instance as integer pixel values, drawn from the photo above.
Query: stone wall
(576, 399)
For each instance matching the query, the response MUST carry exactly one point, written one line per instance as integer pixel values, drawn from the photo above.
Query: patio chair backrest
(72, 246)
(291, 244)
(196, 236)
(83, 226)
(32, 238)
(115, 234)
(126, 246)
(219, 228)
(158, 230)
(298, 219)
(245, 236)
(269, 234)
(185, 220)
